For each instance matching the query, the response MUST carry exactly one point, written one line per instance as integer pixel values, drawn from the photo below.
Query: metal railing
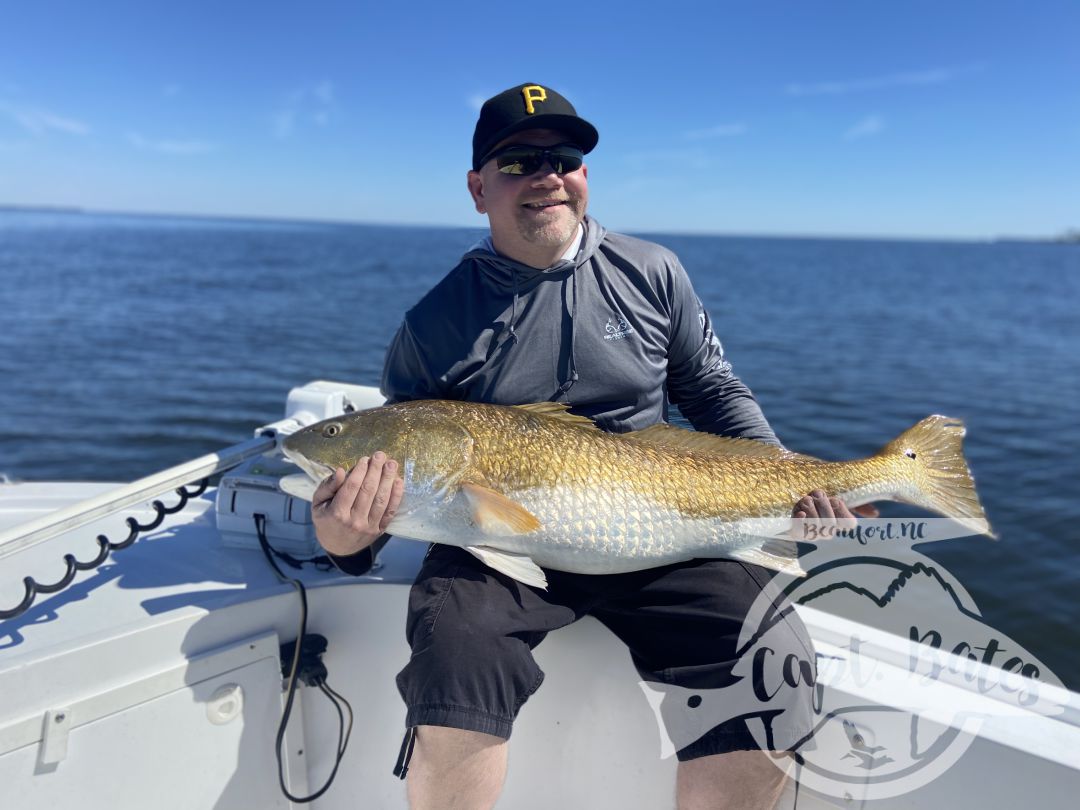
(26, 535)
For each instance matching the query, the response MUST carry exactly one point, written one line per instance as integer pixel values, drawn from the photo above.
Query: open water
(128, 344)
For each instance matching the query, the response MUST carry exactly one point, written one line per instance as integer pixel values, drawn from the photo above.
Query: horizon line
(301, 220)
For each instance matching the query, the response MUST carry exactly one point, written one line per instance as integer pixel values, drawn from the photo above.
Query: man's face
(538, 211)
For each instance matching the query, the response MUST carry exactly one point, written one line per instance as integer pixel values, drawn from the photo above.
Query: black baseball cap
(528, 106)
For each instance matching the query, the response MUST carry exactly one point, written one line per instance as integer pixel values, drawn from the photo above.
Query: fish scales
(644, 505)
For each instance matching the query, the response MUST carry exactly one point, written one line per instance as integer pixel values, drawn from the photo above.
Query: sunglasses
(526, 160)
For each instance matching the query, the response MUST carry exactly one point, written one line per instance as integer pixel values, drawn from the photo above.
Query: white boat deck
(127, 653)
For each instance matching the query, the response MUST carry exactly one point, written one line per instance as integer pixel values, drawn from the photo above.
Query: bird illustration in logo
(860, 750)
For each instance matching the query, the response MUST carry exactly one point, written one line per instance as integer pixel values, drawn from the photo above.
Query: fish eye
(331, 430)
(909, 453)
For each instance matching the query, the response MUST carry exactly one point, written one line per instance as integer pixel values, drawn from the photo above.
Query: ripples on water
(132, 343)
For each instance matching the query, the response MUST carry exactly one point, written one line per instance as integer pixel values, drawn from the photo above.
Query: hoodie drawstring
(512, 335)
(572, 367)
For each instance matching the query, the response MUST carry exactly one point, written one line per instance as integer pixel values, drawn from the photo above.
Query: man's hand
(830, 511)
(350, 510)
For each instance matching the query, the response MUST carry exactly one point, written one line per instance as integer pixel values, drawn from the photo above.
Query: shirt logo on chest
(617, 328)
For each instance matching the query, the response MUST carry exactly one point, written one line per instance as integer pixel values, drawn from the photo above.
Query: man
(553, 307)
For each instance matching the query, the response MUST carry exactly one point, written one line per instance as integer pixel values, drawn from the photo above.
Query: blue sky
(957, 119)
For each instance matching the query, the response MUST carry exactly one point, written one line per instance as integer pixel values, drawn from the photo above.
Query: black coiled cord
(105, 547)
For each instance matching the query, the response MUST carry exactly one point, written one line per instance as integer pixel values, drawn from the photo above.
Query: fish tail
(944, 483)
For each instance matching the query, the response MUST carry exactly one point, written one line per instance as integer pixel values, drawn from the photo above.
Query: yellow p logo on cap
(533, 92)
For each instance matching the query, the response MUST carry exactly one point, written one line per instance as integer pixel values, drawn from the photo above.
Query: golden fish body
(533, 485)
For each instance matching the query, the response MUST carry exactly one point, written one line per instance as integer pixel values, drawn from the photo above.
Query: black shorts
(472, 631)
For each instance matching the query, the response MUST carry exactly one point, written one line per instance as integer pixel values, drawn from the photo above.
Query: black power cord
(304, 662)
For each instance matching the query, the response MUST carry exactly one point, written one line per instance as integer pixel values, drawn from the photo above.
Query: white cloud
(324, 92)
(37, 121)
(690, 158)
(718, 131)
(169, 146)
(868, 126)
(910, 78)
(313, 104)
(283, 123)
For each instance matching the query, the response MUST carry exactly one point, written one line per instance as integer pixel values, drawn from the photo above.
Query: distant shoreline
(1069, 237)
(45, 209)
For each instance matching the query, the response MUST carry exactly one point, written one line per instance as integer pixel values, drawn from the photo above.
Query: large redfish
(533, 485)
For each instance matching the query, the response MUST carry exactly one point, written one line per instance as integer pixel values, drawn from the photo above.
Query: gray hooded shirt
(616, 333)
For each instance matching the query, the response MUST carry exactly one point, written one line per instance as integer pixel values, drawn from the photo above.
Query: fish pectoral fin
(515, 566)
(299, 485)
(776, 555)
(495, 514)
